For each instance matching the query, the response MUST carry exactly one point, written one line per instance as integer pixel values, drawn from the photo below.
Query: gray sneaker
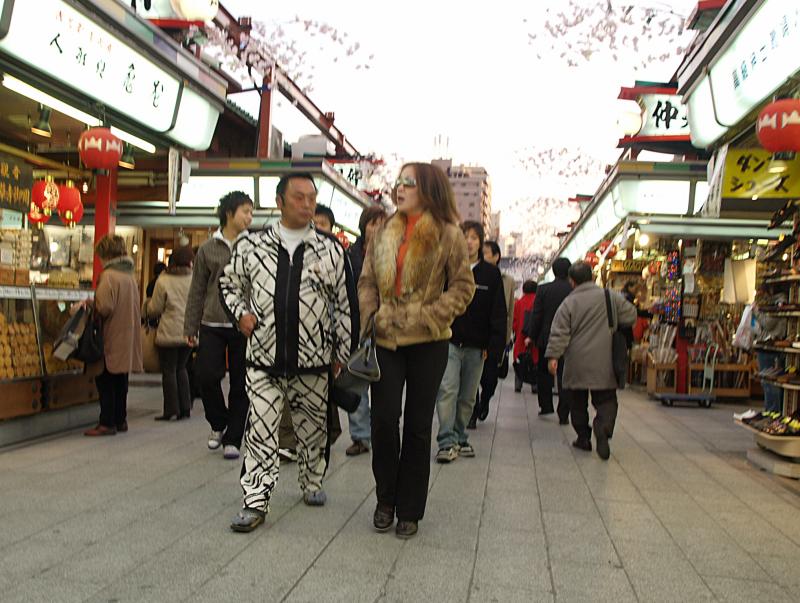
(315, 499)
(214, 440)
(247, 520)
(447, 455)
(230, 452)
(466, 450)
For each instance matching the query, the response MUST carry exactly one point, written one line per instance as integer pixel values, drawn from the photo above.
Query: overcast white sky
(464, 70)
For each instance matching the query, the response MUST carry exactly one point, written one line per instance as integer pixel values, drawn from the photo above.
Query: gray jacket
(581, 335)
(203, 305)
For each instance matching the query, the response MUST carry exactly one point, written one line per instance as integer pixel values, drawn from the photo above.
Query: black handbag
(69, 338)
(361, 370)
(525, 368)
(619, 347)
(90, 345)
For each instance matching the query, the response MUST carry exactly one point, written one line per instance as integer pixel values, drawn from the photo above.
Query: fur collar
(420, 257)
(120, 264)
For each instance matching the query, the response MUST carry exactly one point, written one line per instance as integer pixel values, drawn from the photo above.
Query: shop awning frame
(696, 227)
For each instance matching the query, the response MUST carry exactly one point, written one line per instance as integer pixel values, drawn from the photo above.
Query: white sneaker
(447, 455)
(214, 440)
(230, 452)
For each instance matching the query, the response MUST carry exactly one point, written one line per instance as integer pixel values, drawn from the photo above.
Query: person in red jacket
(521, 307)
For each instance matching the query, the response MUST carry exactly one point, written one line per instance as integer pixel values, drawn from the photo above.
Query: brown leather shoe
(383, 518)
(356, 448)
(406, 529)
(100, 430)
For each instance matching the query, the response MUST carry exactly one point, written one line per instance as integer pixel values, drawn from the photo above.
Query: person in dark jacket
(478, 333)
(206, 324)
(548, 298)
(371, 220)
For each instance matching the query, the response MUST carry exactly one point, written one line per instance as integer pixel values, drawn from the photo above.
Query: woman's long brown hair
(434, 191)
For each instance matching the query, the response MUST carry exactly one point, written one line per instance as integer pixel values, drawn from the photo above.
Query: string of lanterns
(99, 149)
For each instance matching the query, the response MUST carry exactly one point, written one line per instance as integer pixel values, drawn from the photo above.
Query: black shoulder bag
(361, 370)
(90, 345)
(619, 347)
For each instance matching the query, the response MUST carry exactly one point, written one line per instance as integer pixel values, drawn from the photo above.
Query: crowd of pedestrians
(282, 309)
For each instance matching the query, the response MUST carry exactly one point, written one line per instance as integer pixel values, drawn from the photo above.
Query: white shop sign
(759, 59)
(56, 39)
(663, 115)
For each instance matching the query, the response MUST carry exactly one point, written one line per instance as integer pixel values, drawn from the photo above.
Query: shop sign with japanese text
(629, 265)
(56, 39)
(761, 57)
(663, 115)
(751, 174)
(16, 180)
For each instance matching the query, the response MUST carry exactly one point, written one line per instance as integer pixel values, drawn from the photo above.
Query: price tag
(15, 292)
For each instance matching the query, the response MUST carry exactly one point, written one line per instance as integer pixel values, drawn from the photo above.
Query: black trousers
(544, 387)
(604, 402)
(489, 378)
(175, 380)
(113, 390)
(402, 469)
(214, 343)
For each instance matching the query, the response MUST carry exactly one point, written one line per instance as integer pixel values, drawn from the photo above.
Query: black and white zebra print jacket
(306, 306)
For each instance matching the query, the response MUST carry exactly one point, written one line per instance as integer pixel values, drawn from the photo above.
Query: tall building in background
(473, 190)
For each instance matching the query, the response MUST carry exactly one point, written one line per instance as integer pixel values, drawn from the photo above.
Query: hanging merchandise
(70, 207)
(778, 126)
(591, 259)
(100, 149)
(196, 10)
(45, 195)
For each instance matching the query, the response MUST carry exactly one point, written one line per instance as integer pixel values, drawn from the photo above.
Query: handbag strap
(608, 310)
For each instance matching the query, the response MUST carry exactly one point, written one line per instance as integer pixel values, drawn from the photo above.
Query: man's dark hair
(529, 287)
(561, 267)
(580, 272)
(283, 183)
(476, 227)
(159, 268)
(494, 247)
(229, 204)
(324, 210)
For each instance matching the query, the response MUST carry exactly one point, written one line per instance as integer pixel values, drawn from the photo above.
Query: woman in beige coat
(416, 280)
(169, 305)
(116, 301)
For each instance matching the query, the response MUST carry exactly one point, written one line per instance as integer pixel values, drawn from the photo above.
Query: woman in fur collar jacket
(416, 280)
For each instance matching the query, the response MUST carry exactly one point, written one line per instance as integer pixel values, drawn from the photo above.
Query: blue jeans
(457, 391)
(773, 395)
(359, 421)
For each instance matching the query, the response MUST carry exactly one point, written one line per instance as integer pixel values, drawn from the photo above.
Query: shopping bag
(150, 360)
(90, 346)
(67, 342)
(744, 332)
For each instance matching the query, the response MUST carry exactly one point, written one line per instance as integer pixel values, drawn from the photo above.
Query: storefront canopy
(211, 179)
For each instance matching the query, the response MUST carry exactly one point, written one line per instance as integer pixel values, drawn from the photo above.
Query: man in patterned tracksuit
(289, 288)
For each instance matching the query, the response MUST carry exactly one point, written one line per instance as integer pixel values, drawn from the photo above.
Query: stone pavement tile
(782, 570)
(33, 556)
(633, 521)
(587, 582)
(497, 593)
(516, 559)
(49, 589)
(512, 477)
(748, 591)
(668, 584)
(331, 585)
(579, 538)
(566, 498)
(423, 572)
(561, 470)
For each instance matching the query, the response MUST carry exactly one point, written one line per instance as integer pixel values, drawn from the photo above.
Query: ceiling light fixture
(32, 93)
(42, 125)
(134, 140)
(127, 160)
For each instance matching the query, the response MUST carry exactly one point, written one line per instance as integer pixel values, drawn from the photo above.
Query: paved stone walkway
(677, 514)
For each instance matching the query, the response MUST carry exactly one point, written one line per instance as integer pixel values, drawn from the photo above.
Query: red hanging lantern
(778, 126)
(45, 195)
(591, 259)
(99, 149)
(343, 239)
(36, 216)
(70, 207)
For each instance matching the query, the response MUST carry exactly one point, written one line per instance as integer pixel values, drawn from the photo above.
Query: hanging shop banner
(752, 174)
(629, 266)
(16, 180)
(53, 37)
(663, 115)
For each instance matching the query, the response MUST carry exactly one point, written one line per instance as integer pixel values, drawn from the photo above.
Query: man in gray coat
(581, 334)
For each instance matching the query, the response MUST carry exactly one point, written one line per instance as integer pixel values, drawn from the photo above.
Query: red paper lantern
(70, 207)
(591, 259)
(343, 239)
(36, 216)
(99, 149)
(778, 126)
(45, 195)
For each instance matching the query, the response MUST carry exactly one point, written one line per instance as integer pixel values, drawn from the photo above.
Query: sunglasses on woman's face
(406, 182)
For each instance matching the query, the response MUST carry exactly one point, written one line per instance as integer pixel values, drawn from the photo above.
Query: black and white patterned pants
(307, 396)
